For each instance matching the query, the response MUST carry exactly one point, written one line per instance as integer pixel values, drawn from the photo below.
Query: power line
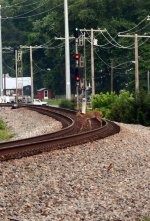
(20, 2)
(18, 6)
(28, 11)
(40, 13)
(134, 26)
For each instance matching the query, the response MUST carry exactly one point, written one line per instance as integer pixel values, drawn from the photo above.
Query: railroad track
(69, 135)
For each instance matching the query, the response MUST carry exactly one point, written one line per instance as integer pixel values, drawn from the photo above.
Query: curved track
(69, 135)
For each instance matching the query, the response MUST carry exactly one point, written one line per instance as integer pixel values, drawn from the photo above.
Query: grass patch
(5, 134)
(54, 101)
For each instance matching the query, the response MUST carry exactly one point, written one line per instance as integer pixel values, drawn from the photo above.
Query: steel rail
(28, 147)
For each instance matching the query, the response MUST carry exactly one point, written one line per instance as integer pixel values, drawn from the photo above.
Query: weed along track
(69, 135)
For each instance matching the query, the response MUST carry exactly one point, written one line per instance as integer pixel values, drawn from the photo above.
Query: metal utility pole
(112, 76)
(148, 86)
(67, 52)
(84, 100)
(92, 62)
(1, 69)
(31, 71)
(135, 36)
(136, 65)
(77, 66)
(16, 65)
(85, 65)
(31, 67)
(92, 55)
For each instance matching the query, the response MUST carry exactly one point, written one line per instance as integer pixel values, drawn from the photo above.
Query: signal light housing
(77, 75)
(76, 33)
(77, 57)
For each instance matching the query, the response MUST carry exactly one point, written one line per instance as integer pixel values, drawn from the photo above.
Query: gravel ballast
(108, 179)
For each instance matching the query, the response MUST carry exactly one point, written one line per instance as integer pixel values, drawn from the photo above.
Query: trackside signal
(77, 74)
(77, 32)
(77, 57)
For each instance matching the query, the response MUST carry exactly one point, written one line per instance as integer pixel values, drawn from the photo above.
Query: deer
(88, 116)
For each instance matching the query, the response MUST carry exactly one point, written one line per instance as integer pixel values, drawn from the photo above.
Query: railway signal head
(76, 33)
(77, 57)
(77, 74)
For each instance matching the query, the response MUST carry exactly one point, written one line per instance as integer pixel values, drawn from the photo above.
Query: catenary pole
(1, 69)
(16, 67)
(148, 86)
(92, 62)
(31, 70)
(135, 36)
(67, 52)
(136, 65)
(112, 76)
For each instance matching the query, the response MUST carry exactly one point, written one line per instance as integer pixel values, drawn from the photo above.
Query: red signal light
(77, 78)
(77, 75)
(77, 56)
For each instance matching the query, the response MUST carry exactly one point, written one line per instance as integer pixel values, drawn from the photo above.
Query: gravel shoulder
(104, 180)
(25, 123)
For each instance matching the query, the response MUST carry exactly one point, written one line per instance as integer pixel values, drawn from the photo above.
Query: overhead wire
(114, 67)
(28, 16)
(20, 2)
(110, 42)
(12, 69)
(134, 26)
(117, 45)
(19, 6)
(18, 16)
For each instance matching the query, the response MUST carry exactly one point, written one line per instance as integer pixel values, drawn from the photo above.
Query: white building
(9, 84)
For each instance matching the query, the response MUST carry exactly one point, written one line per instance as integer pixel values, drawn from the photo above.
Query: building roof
(10, 83)
(41, 89)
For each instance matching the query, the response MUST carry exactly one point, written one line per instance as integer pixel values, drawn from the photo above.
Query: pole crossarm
(133, 36)
(26, 46)
(62, 38)
(94, 30)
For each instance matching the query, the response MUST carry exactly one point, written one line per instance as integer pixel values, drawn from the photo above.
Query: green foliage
(38, 22)
(104, 102)
(144, 219)
(4, 132)
(54, 102)
(123, 108)
(2, 124)
(69, 104)
(142, 107)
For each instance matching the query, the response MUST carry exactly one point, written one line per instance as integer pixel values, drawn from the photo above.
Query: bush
(123, 108)
(69, 104)
(103, 102)
(4, 132)
(2, 124)
(143, 109)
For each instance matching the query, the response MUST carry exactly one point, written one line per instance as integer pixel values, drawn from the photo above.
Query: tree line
(30, 22)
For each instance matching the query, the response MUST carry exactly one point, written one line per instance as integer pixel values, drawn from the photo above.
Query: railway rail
(69, 135)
